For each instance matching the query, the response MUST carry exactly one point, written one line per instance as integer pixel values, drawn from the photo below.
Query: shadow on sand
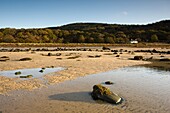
(73, 96)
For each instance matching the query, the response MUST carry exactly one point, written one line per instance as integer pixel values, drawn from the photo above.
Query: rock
(138, 57)
(105, 48)
(103, 93)
(108, 82)
(4, 58)
(18, 73)
(59, 58)
(165, 59)
(25, 59)
(96, 56)
(49, 54)
(28, 76)
(117, 55)
(43, 68)
(41, 71)
(58, 54)
(74, 57)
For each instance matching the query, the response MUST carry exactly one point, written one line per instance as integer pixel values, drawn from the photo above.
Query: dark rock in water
(108, 82)
(41, 71)
(103, 93)
(138, 57)
(25, 59)
(18, 73)
(28, 76)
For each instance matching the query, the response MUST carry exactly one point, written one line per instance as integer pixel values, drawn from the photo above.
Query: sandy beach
(16, 95)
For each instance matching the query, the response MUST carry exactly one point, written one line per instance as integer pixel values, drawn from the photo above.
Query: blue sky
(45, 13)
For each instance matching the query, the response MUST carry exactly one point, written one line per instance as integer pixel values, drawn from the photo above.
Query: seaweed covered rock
(138, 57)
(103, 93)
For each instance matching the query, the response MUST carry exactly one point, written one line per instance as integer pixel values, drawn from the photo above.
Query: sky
(52, 13)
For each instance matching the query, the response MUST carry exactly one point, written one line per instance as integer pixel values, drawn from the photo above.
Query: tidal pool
(143, 89)
(35, 72)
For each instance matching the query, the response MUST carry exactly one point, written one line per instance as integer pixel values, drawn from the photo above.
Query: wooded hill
(90, 33)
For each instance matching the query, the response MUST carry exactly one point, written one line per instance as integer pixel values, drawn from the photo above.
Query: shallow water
(33, 71)
(144, 89)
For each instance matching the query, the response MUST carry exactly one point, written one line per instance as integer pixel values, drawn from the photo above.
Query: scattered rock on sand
(165, 59)
(49, 54)
(25, 59)
(105, 48)
(103, 93)
(4, 58)
(138, 57)
(74, 57)
(96, 56)
(117, 55)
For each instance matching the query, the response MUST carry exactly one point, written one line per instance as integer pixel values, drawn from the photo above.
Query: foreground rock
(103, 93)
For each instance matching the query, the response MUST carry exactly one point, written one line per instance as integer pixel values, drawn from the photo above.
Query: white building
(133, 41)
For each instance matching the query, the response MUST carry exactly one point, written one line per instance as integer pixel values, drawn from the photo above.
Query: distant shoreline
(162, 45)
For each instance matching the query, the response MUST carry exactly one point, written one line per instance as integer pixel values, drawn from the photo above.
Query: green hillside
(89, 33)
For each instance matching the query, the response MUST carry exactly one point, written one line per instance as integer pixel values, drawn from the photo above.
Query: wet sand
(42, 99)
(133, 84)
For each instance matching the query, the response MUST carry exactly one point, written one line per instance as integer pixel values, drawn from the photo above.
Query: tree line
(89, 33)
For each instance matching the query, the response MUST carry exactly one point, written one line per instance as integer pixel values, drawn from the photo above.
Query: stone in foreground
(103, 93)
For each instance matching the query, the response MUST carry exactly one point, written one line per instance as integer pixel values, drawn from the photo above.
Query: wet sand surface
(64, 94)
(144, 90)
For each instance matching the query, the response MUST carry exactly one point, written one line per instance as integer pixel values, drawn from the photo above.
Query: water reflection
(35, 72)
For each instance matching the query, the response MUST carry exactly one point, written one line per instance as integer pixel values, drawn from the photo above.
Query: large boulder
(103, 93)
